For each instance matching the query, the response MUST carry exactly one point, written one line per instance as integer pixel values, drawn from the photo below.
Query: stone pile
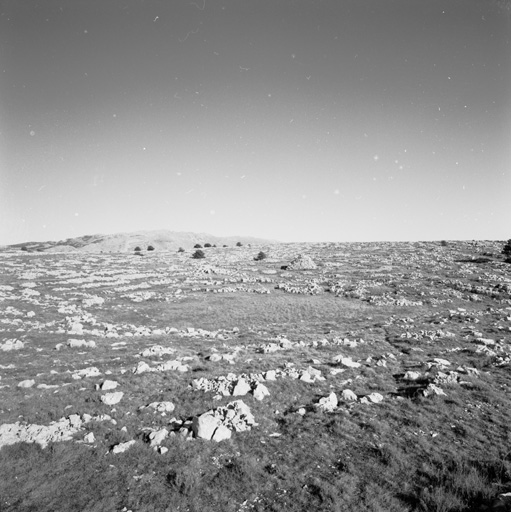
(92, 371)
(311, 288)
(330, 403)
(302, 262)
(12, 344)
(218, 424)
(73, 343)
(160, 407)
(157, 350)
(176, 365)
(285, 344)
(61, 430)
(240, 385)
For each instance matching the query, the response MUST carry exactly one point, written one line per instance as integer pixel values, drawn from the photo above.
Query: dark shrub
(225, 245)
(24, 248)
(261, 256)
(137, 249)
(197, 246)
(444, 243)
(150, 248)
(180, 250)
(506, 250)
(207, 245)
(238, 244)
(198, 255)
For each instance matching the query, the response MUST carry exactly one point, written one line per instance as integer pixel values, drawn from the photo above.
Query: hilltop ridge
(163, 240)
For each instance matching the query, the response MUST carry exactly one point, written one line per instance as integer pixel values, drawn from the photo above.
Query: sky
(293, 120)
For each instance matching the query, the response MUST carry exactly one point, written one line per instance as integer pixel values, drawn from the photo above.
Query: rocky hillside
(162, 240)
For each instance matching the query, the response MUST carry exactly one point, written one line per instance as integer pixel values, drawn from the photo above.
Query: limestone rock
(162, 407)
(92, 371)
(221, 433)
(108, 385)
(76, 328)
(375, 398)
(73, 343)
(306, 377)
(122, 447)
(28, 383)
(348, 395)
(141, 367)
(411, 376)
(12, 345)
(61, 430)
(260, 391)
(204, 426)
(157, 437)
(433, 390)
(241, 388)
(157, 350)
(112, 398)
(346, 361)
(328, 403)
(89, 438)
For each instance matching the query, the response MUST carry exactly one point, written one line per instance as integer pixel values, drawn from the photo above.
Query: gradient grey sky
(306, 120)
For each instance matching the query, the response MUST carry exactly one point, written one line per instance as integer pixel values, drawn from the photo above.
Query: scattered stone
(329, 403)
(76, 328)
(260, 391)
(375, 398)
(204, 426)
(107, 385)
(157, 350)
(112, 398)
(172, 365)
(12, 344)
(412, 376)
(92, 371)
(47, 386)
(122, 447)
(157, 437)
(433, 390)
(26, 383)
(241, 388)
(61, 430)
(89, 438)
(162, 407)
(221, 433)
(348, 395)
(346, 361)
(141, 367)
(73, 343)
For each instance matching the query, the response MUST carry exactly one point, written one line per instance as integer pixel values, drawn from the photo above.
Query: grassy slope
(407, 453)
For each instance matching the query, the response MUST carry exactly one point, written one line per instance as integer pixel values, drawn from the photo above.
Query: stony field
(359, 377)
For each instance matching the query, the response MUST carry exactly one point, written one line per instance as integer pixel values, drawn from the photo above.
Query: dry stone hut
(302, 262)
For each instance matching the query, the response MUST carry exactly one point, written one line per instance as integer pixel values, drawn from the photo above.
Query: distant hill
(162, 240)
